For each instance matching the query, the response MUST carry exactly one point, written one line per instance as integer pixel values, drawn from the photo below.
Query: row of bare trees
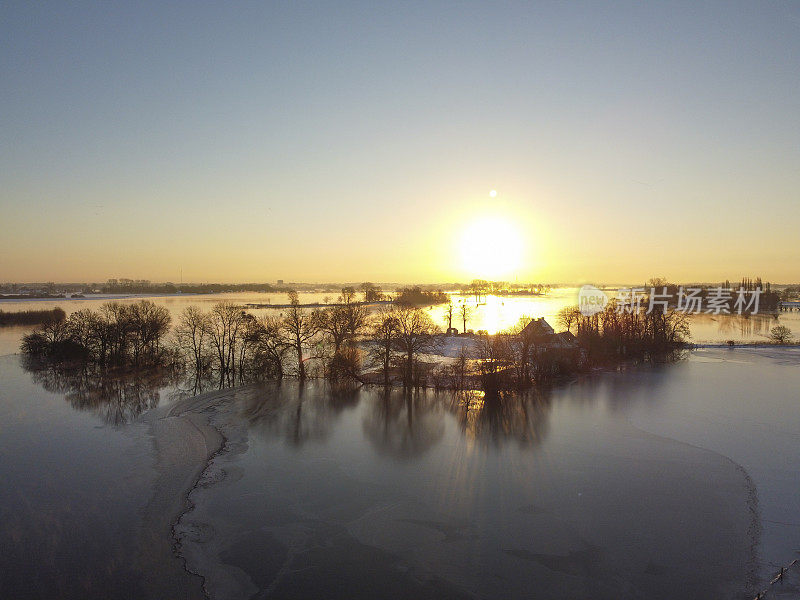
(399, 337)
(462, 311)
(334, 342)
(343, 342)
(347, 343)
(232, 342)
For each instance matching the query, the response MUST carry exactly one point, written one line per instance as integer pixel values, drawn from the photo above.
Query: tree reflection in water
(403, 425)
(521, 417)
(116, 398)
(746, 326)
(297, 412)
(397, 423)
(400, 424)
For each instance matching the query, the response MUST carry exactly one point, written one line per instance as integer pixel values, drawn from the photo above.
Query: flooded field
(657, 482)
(492, 314)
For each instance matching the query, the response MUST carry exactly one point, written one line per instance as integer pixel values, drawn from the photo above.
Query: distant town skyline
(734, 283)
(555, 142)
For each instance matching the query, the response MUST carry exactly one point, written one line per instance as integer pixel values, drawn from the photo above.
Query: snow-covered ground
(450, 346)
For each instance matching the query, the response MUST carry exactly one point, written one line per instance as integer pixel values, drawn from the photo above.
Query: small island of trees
(416, 296)
(31, 317)
(349, 344)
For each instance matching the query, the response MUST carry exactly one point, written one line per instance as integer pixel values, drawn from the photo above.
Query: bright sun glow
(491, 248)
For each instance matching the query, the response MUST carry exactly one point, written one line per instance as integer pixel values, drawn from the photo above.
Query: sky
(404, 142)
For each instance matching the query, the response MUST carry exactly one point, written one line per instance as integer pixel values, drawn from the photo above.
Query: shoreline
(99, 297)
(259, 306)
(184, 443)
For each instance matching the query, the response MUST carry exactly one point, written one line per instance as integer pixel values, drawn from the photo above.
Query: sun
(491, 247)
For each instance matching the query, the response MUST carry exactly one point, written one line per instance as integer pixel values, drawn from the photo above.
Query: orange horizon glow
(334, 143)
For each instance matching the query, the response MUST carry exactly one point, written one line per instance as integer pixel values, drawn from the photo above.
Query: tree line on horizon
(31, 317)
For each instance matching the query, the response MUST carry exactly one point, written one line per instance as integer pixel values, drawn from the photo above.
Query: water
(655, 482)
(70, 488)
(744, 405)
(659, 482)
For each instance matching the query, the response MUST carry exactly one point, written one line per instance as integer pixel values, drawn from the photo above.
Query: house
(555, 352)
(564, 340)
(544, 336)
(538, 329)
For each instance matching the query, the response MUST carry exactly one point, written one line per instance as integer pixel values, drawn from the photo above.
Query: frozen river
(656, 482)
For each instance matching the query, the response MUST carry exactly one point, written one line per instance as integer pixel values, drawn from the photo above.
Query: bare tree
(248, 339)
(120, 333)
(88, 329)
(415, 331)
(450, 311)
(465, 312)
(224, 325)
(568, 316)
(191, 335)
(781, 334)
(479, 287)
(384, 334)
(656, 282)
(345, 365)
(348, 295)
(333, 322)
(116, 327)
(298, 328)
(341, 323)
(270, 347)
(46, 338)
(461, 369)
(372, 293)
(148, 324)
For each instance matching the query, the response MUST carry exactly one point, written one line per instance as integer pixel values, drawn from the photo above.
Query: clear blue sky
(351, 141)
